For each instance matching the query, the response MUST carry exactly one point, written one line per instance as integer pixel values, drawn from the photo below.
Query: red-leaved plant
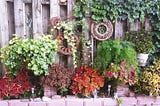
(122, 73)
(86, 80)
(14, 86)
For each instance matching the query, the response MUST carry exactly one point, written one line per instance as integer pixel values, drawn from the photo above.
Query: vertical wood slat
(28, 20)
(148, 24)
(45, 17)
(19, 17)
(54, 12)
(4, 38)
(70, 5)
(136, 27)
(54, 8)
(37, 18)
(119, 29)
(10, 12)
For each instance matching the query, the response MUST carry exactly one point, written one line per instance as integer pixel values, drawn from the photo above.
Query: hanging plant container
(142, 59)
(66, 49)
(102, 31)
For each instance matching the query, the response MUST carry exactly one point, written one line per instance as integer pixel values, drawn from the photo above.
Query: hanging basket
(64, 49)
(102, 31)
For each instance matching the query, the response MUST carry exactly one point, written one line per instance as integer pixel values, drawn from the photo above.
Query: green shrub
(34, 54)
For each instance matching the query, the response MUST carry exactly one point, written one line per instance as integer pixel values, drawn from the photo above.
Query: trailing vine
(68, 30)
(132, 10)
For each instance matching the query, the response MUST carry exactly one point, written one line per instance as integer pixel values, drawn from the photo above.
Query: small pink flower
(115, 74)
(109, 73)
(131, 81)
(132, 71)
(123, 63)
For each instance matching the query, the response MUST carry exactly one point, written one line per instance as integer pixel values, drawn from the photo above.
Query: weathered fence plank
(28, 20)
(54, 8)
(10, 13)
(119, 29)
(55, 12)
(45, 17)
(37, 18)
(4, 38)
(136, 27)
(147, 24)
(70, 5)
(19, 17)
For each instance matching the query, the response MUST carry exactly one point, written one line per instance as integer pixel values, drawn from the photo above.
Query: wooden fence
(30, 18)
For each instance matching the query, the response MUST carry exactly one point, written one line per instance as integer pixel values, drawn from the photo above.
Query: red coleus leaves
(86, 80)
(10, 86)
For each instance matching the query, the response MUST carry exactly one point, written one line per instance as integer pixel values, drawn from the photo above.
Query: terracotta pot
(122, 90)
(49, 91)
(62, 1)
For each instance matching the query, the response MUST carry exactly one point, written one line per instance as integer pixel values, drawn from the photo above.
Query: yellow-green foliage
(149, 81)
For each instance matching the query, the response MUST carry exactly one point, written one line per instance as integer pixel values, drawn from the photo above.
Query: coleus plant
(122, 73)
(86, 80)
(14, 86)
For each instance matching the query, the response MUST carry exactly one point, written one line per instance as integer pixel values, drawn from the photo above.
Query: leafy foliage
(121, 73)
(141, 39)
(149, 80)
(13, 87)
(68, 30)
(34, 54)
(59, 77)
(86, 80)
(115, 51)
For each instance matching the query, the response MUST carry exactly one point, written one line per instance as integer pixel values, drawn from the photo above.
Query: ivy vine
(132, 10)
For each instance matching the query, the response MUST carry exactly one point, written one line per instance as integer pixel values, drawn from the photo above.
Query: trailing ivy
(132, 10)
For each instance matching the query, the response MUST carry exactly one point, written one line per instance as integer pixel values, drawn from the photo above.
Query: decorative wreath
(62, 48)
(55, 21)
(102, 31)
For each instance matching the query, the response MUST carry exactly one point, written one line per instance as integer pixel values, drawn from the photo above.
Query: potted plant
(122, 75)
(33, 54)
(149, 80)
(15, 86)
(115, 51)
(59, 79)
(86, 80)
(143, 45)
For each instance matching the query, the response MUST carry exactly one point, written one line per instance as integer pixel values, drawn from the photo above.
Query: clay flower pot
(49, 91)
(63, 1)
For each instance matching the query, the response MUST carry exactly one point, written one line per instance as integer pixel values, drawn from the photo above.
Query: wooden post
(19, 17)
(119, 29)
(54, 8)
(86, 51)
(137, 26)
(28, 21)
(37, 18)
(148, 24)
(4, 38)
(70, 5)
(55, 12)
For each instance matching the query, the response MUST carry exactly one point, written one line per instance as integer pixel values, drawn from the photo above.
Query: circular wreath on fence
(102, 30)
(64, 48)
(55, 21)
